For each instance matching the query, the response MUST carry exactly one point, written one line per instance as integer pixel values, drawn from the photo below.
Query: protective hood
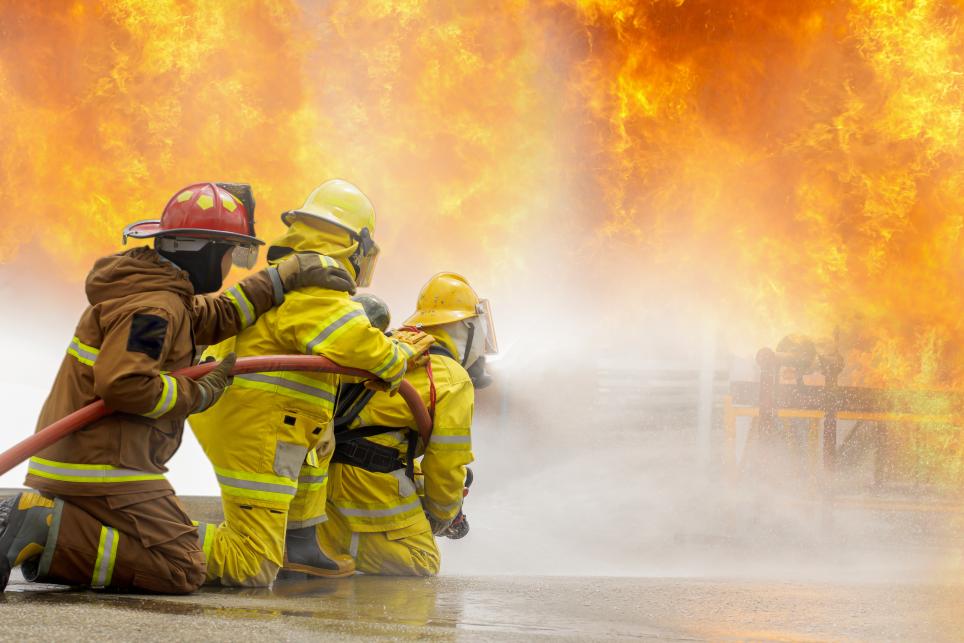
(443, 339)
(135, 271)
(464, 338)
(302, 237)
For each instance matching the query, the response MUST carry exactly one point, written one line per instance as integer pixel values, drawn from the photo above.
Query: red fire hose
(93, 412)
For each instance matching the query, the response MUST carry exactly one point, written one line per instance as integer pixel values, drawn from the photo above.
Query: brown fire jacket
(144, 321)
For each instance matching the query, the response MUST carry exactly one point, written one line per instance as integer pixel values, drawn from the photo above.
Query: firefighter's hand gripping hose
(95, 411)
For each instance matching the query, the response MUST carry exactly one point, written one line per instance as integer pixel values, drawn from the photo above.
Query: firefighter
(375, 513)
(271, 439)
(105, 515)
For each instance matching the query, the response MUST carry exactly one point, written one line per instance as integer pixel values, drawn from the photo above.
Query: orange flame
(781, 165)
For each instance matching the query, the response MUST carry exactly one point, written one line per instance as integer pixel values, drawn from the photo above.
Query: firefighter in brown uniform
(106, 516)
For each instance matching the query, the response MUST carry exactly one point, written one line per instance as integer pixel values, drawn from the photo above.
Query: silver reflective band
(105, 558)
(450, 439)
(288, 384)
(167, 398)
(82, 352)
(353, 545)
(331, 328)
(313, 479)
(390, 364)
(38, 466)
(444, 508)
(379, 513)
(276, 285)
(256, 486)
(310, 522)
(244, 306)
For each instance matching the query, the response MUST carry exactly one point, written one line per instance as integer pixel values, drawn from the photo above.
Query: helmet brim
(438, 317)
(287, 218)
(151, 228)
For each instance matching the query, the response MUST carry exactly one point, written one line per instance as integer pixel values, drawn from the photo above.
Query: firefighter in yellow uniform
(274, 430)
(375, 514)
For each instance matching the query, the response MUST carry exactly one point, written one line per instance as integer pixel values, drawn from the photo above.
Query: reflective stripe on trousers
(94, 473)
(205, 534)
(357, 512)
(260, 486)
(106, 555)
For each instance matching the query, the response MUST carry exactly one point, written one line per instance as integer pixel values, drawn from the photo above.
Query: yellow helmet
(448, 297)
(343, 205)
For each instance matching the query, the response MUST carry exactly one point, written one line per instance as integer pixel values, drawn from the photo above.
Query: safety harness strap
(367, 455)
(351, 435)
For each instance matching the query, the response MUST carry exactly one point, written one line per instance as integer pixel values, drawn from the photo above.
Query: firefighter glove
(439, 527)
(212, 385)
(417, 342)
(379, 386)
(306, 269)
(459, 527)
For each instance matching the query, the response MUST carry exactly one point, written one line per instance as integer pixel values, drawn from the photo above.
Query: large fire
(791, 165)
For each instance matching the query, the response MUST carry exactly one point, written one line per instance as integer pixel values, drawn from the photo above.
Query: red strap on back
(431, 388)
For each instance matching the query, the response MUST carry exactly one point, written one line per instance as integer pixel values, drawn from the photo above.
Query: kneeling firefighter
(106, 516)
(271, 438)
(375, 513)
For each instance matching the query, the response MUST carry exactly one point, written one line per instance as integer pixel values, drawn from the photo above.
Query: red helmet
(200, 211)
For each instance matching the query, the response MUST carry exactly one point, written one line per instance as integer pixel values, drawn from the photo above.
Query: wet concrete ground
(497, 608)
(910, 600)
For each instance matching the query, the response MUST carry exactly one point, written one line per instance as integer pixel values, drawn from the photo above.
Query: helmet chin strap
(468, 343)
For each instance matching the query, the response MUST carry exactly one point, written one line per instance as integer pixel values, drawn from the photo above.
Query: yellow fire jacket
(260, 432)
(388, 501)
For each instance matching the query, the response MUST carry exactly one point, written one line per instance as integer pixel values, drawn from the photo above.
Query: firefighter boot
(24, 522)
(303, 553)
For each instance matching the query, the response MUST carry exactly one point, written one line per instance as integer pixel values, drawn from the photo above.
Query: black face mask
(480, 379)
(202, 266)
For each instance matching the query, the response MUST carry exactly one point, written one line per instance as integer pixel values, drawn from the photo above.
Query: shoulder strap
(352, 398)
(436, 349)
(361, 432)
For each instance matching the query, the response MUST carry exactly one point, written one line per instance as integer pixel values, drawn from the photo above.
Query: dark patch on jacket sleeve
(147, 335)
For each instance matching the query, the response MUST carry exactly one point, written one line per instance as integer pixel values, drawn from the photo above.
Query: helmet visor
(366, 268)
(244, 256)
(484, 310)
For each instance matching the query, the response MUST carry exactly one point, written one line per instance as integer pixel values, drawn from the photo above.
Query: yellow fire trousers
(410, 551)
(247, 549)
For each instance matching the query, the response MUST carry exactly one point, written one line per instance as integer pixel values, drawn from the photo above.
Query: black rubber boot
(24, 523)
(303, 553)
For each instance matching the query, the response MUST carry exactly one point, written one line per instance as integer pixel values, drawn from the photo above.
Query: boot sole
(12, 523)
(318, 571)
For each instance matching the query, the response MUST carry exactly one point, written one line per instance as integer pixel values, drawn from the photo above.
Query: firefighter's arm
(127, 373)
(218, 317)
(448, 452)
(343, 334)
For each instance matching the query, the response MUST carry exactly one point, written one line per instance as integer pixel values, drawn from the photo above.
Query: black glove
(309, 269)
(212, 385)
(459, 527)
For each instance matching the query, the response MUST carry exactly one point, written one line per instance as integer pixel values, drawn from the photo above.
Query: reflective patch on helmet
(229, 204)
(205, 201)
(184, 196)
